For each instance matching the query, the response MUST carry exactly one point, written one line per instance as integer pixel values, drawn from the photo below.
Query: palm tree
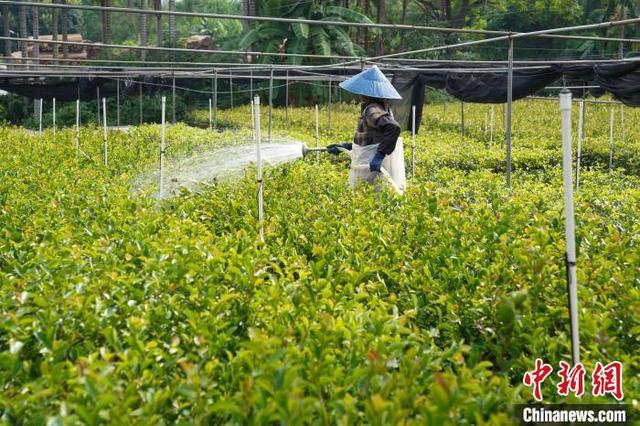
(610, 10)
(302, 38)
(618, 10)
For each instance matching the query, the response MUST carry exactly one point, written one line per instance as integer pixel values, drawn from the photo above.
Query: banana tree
(300, 38)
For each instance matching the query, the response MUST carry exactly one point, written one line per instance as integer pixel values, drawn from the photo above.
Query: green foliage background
(360, 307)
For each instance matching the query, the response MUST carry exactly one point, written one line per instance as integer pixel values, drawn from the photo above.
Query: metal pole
(491, 125)
(210, 114)
(118, 102)
(140, 95)
(256, 119)
(570, 255)
(462, 120)
(173, 100)
(104, 131)
(611, 140)
(413, 141)
(231, 88)
(251, 87)
(509, 108)
(162, 129)
(215, 99)
(486, 121)
(270, 100)
(622, 122)
(317, 135)
(98, 105)
(253, 121)
(330, 103)
(77, 132)
(579, 150)
(286, 99)
(54, 118)
(40, 116)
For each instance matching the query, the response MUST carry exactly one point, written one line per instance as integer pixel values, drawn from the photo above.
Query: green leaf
(249, 38)
(301, 30)
(321, 43)
(338, 13)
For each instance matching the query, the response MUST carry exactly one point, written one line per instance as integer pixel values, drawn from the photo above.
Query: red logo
(605, 380)
(608, 380)
(536, 377)
(572, 379)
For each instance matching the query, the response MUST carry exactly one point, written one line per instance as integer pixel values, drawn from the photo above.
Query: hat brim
(372, 83)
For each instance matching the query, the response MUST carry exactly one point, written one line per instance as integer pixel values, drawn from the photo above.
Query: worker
(376, 138)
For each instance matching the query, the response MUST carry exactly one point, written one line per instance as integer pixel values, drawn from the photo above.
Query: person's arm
(390, 130)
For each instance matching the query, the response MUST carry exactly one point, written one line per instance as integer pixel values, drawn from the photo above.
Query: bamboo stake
(570, 237)
(77, 132)
(162, 150)
(611, 140)
(104, 131)
(256, 118)
(580, 136)
(413, 141)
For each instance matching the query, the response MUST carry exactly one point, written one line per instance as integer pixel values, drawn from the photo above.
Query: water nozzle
(306, 150)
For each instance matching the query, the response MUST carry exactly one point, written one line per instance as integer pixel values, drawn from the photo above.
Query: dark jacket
(377, 126)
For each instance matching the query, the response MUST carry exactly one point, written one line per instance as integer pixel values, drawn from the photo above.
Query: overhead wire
(305, 21)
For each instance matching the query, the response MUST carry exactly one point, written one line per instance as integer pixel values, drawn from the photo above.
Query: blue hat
(372, 83)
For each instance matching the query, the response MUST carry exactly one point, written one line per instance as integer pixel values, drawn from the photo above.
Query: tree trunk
(143, 30)
(460, 18)
(6, 33)
(108, 22)
(54, 33)
(246, 9)
(447, 10)
(403, 42)
(159, 32)
(65, 31)
(381, 17)
(35, 22)
(22, 16)
(172, 24)
(35, 29)
(103, 23)
(366, 30)
(623, 17)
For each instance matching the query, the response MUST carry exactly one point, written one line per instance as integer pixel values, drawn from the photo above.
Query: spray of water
(211, 163)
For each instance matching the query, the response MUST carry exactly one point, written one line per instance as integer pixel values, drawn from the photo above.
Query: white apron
(393, 164)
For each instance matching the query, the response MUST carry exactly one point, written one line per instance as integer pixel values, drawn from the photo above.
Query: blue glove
(376, 162)
(334, 148)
